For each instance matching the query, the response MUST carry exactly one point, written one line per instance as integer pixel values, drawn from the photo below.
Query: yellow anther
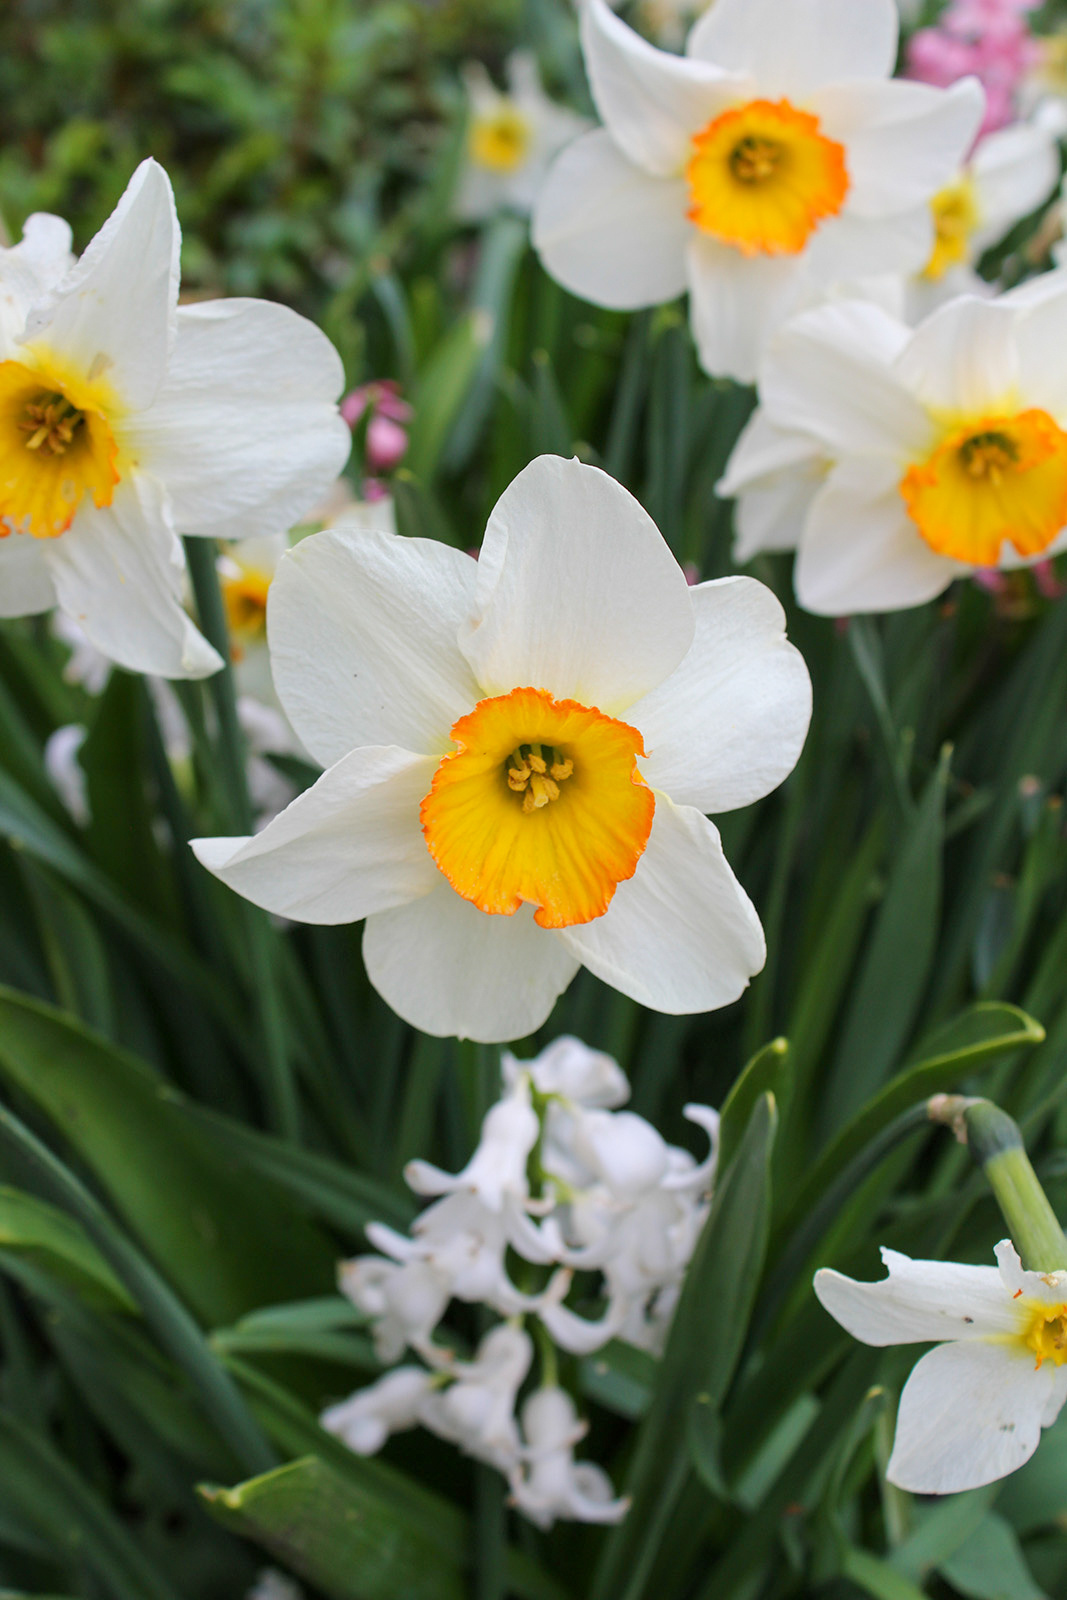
(540, 792)
(561, 769)
(755, 160)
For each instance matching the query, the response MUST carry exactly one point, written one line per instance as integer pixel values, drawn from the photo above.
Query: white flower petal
(651, 102)
(851, 246)
(919, 1301)
(681, 935)
(1046, 1288)
(792, 49)
(609, 232)
(861, 551)
(729, 723)
(904, 141)
(969, 1414)
(1014, 170)
(118, 573)
(448, 968)
(26, 585)
(113, 314)
(735, 304)
(828, 375)
(763, 450)
(964, 358)
(578, 592)
(244, 432)
(1040, 332)
(349, 846)
(773, 515)
(362, 630)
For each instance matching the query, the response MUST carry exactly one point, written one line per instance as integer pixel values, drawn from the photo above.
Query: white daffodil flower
(973, 1409)
(549, 1483)
(126, 420)
(520, 753)
(1010, 174)
(941, 449)
(511, 138)
(396, 1402)
(775, 158)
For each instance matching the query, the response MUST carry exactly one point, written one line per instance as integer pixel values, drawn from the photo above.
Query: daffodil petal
(118, 573)
(577, 593)
(1014, 170)
(347, 847)
(963, 358)
(113, 315)
(362, 629)
(920, 1301)
(26, 585)
(905, 141)
(1040, 331)
(792, 49)
(681, 935)
(450, 969)
(609, 232)
(970, 1413)
(851, 246)
(860, 550)
(829, 375)
(244, 431)
(728, 724)
(651, 101)
(736, 302)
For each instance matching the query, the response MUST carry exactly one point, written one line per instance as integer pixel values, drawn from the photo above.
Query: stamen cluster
(598, 1208)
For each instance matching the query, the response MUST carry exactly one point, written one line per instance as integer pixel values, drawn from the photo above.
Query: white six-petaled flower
(520, 751)
(511, 138)
(973, 1408)
(898, 460)
(126, 420)
(772, 160)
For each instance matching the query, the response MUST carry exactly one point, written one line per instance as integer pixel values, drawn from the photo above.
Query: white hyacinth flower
(937, 450)
(973, 1409)
(1010, 174)
(550, 1484)
(568, 1070)
(511, 138)
(520, 753)
(396, 1402)
(126, 420)
(775, 158)
(477, 1409)
(497, 1169)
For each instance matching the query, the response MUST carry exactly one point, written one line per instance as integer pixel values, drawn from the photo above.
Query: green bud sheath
(998, 1147)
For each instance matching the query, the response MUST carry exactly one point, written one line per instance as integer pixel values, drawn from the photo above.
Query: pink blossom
(989, 38)
(388, 415)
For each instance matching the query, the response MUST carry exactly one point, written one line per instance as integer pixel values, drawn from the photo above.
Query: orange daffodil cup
(896, 460)
(773, 160)
(127, 420)
(519, 753)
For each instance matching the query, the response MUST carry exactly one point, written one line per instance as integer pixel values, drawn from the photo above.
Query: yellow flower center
(1047, 1334)
(541, 802)
(500, 140)
(245, 598)
(955, 213)
(762, 177)
(56, 446)
(995, 480)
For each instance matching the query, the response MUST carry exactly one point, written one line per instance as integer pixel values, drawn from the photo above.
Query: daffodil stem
(281, 1093)
(997, 1145)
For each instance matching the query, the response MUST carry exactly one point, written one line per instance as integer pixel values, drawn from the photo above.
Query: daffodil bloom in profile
(511, 138)
(1009, 175)
(772, 160)
(520, 751)
(940, 450)
(126, 420)
(973, 1408)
